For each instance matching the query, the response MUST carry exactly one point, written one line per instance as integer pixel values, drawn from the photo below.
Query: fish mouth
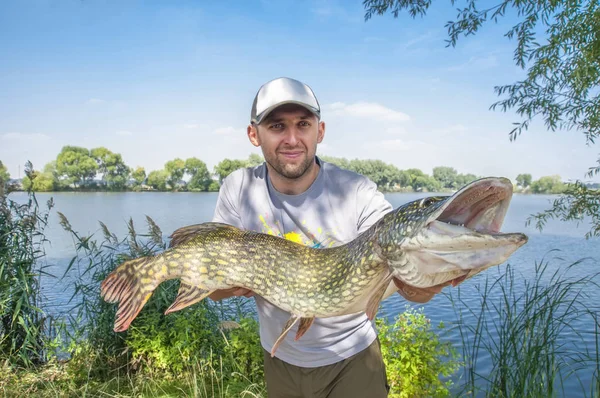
(462, 237)
(480, 206)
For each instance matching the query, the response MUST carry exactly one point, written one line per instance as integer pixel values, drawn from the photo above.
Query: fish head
(438, 239)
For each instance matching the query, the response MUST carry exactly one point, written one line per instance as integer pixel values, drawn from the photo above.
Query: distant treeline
(100, 169)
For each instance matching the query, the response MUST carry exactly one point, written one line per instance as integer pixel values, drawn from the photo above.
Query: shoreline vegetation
(78, 169)
(213, 349)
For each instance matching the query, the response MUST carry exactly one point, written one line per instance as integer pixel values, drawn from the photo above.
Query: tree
(139, 175)
(114, 170)
(42, 182)
(199, 175)
(340, 162)
(175, 169)
(254, 160)
(158, 179)
(524, 180)
(383, 174)
(4, 175)
(558, 43)
(548, 184)
(228, 166)
(446, 176)
(76, 165)
(464, 179)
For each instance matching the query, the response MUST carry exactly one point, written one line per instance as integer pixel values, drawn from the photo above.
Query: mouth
(462, 237)
(480, 206)
(291, 154)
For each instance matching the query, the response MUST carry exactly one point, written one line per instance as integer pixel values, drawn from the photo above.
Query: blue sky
(156, 80)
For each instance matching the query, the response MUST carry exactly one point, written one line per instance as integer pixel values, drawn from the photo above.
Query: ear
(321, 132)
(253, 135)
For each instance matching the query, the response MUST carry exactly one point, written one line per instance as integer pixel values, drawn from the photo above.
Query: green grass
(521, 325)
(55, 380)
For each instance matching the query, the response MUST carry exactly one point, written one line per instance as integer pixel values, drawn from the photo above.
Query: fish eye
(426, 202)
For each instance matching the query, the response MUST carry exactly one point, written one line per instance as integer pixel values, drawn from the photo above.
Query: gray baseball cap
(279, 92)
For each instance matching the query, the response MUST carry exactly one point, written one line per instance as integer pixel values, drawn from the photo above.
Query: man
(299, 197)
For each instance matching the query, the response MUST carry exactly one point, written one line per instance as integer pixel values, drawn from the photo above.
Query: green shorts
(360, 376)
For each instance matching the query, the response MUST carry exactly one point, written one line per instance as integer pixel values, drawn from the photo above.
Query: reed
(25, 335)
(527, 329)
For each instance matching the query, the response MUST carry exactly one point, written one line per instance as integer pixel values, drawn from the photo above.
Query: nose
(291, 136)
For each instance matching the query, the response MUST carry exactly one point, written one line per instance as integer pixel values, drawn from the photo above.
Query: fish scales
(423, 243)
(312, 282)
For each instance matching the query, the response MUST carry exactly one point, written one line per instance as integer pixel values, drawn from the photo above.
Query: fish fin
(186, 234)
(122, 280)
(286, 328)
(124, 285)
(187, 296)
(304, 326)
(129, 309)
(376, 296)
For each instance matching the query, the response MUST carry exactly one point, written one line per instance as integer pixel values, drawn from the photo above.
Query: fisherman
(296, 195)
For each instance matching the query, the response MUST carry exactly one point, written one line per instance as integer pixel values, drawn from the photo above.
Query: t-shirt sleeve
(227, 207)
(371, 205)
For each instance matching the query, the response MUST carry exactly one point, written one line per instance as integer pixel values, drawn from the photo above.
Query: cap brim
(260, 118)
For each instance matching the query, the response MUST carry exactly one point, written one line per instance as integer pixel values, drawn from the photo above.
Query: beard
(290, 171)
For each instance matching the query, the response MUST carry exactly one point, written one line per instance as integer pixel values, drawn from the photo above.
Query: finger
(249, 294)
(417, 296)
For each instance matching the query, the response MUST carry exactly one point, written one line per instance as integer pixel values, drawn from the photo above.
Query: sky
(157, 80)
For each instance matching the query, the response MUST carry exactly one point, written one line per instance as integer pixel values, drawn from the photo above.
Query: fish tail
(128, 285)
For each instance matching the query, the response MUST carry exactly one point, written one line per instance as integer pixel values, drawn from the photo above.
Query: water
(561, 244)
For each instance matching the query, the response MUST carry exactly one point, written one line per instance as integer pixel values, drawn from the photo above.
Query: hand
(416, 294)
(240, 291)
(221, 294)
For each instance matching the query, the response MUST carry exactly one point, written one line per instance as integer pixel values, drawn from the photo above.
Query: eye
(426, 202)
(276, 126)
(304, 123)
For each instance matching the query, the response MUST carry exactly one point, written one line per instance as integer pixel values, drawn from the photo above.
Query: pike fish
(423, 243)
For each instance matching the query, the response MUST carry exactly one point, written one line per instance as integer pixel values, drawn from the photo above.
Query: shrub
(414, 356)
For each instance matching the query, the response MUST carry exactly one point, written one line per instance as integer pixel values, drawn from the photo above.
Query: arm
(226, 211)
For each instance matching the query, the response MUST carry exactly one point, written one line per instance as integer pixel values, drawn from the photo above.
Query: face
(288, 139)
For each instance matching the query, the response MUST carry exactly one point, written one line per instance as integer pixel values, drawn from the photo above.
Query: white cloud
(95, 101)
(191, 126)
(23, 136)
(371, 110)
(395, 131)
(124, 133)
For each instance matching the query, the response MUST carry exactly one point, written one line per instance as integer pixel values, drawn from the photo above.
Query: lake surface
(561, 244)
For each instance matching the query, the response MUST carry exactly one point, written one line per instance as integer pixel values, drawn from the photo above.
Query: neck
(294, 186)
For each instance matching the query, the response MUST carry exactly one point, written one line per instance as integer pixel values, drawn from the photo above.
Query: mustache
(294, 148)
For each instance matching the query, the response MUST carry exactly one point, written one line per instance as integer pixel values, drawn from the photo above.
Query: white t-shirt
(337, 207)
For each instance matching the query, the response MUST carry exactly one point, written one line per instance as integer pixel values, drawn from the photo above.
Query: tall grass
(24, 335)
(527, 331)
